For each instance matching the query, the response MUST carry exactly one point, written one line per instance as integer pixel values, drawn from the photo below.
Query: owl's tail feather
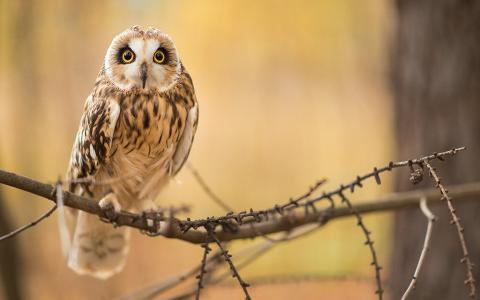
(98, 249)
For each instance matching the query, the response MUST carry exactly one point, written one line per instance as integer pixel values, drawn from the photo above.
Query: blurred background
(289, 93)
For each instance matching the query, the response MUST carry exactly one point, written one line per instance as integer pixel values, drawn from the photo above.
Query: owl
(135, 134)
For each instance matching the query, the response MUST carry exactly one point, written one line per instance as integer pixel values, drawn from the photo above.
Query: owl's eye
(159, 56)
(127, 56)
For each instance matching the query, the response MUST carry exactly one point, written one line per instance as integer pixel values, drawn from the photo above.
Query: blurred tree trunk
(9, 262)
(436, 85)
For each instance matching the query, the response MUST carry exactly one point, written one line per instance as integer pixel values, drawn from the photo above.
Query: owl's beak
(143, 74)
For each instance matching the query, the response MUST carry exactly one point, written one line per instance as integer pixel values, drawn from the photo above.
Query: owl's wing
(93, 141)
(186, 140)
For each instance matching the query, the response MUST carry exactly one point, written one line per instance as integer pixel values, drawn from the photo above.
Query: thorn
(377, 176)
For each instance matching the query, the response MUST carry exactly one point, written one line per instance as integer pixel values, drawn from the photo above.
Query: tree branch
(278, 219)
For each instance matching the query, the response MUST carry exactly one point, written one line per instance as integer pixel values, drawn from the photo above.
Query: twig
(369, 243)
(207, 189)
(213, 196)
(252, 255)
(321, 221)
(228, 259)
(470, 281)
(426, 245)
(159, 288)
(203, 270)
(31, 224)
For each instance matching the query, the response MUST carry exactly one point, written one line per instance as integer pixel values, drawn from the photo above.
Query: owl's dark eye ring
(159, 56)
(127, 56)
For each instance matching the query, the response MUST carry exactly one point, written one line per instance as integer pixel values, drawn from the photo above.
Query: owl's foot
(110, 204)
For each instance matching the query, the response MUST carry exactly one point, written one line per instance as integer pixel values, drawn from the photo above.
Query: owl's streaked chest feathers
(148, 130)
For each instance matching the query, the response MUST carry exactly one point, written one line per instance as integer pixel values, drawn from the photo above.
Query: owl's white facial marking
(145, 60)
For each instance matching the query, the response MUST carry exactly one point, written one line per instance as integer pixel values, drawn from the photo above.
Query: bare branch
(203, 266)
(207, 189)
(470, 281)
(369, 243)
(253, 255)
(426, 244)
(29, 225)
(228, 259)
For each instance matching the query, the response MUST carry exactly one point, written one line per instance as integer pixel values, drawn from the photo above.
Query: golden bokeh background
(289, 92)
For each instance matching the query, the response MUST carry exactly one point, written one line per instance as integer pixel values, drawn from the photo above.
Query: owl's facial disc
(142, 60)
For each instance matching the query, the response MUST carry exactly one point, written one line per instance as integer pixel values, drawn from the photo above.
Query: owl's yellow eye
(159, 56)
(127, 56)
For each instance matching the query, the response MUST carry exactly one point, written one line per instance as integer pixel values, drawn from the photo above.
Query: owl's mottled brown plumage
(136, 132)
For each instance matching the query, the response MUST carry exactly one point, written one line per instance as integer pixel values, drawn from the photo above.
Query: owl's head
(142, 59)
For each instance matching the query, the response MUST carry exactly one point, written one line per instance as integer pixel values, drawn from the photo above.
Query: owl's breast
(146, 137)
(149, 125)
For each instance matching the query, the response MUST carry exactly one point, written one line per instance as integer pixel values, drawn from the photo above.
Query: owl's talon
(110, 201)
(110, 206)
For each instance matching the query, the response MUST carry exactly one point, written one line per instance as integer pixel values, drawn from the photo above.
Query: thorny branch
(470, 281)
(228, 259)
(426, 244)
(369, 243)
(203, 269)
